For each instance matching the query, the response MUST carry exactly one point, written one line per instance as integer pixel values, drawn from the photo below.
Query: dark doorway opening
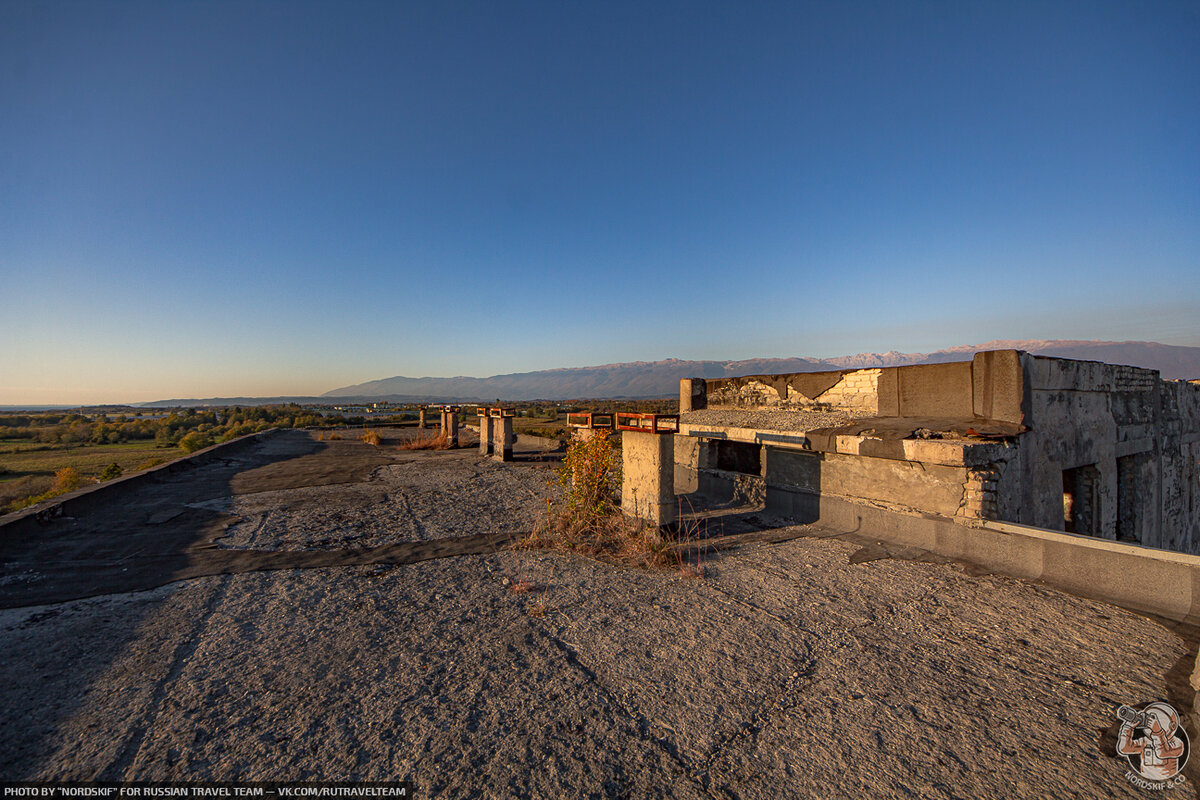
(1079, 500)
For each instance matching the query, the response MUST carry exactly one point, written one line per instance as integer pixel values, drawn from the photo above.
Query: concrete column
(648, 477)
(693, 394)
(452, 428)
(583, 434)
(485, 435)
(421, 422)
(502, 437)
(444, 424)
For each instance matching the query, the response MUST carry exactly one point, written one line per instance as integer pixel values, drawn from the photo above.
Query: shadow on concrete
(142, 537)
(167, 530)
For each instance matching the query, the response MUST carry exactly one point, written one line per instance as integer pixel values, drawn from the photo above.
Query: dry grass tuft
(67, 479)
(335, 437)
(423, 442)
(521, 587)
(372, 438)
(612, 537)
(539, 608)
(13, 493)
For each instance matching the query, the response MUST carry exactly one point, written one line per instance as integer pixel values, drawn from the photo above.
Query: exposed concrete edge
(1144, 579)
(82, 499)
(950, 453)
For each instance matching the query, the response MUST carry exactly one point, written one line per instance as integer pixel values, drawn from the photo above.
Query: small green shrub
(113, 470)
(195, 441)
(590, 477)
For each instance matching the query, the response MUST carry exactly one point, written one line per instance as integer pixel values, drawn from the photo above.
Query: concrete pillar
(502, 438)
(421, 422)
(687, 464)
(648, 477)
(583, 434)
(444, 424)
(485, 435)
(452, 428)
(693, 394)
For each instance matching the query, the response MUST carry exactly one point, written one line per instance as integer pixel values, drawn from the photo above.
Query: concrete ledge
(1144, 579)
(86, 498)
(528, 440)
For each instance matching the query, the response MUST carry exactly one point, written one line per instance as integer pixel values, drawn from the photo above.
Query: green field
(27, 469)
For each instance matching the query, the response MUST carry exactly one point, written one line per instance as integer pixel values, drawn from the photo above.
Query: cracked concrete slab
(790, 669)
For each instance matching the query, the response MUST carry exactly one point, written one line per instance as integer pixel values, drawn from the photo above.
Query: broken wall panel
(1107, 450)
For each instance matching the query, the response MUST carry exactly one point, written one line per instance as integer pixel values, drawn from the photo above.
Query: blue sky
(240, 198)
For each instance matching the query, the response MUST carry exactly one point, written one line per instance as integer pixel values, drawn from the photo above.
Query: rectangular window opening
(739, 457)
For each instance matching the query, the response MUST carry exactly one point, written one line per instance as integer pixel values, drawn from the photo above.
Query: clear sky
(244, 198)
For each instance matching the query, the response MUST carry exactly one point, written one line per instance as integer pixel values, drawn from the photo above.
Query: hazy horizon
(378, 378)
(257, 199)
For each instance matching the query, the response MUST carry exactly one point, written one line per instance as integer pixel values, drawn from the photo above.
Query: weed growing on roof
(586, 518)
(423, 442)
(372, 438)
(590, 477)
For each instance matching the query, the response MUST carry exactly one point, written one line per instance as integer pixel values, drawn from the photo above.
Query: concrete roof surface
(813, 667)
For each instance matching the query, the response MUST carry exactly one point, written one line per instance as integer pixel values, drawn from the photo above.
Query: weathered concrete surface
(191, 523)
(449, 427)
(1102, 449)
(811, 667)
(486, 443)
(692, 395)
(502, 438)
(886, 482)
(648, 477)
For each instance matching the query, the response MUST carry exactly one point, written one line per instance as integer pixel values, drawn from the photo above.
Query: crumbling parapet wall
(1179, 465)
(1101, 456)
(990, 386)
(1107, 450)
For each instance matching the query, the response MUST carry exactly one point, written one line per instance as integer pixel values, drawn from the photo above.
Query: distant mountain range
(661, 378)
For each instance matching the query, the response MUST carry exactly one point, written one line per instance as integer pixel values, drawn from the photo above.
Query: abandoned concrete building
(1076, 446)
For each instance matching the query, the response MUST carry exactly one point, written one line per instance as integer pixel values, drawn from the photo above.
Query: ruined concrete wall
(1179, 465)
(936, 390)
(687, 464)
(858, 390)
(991, 385)
(849, 389)
(1111, 451)
(1084, 416)
(882, 482)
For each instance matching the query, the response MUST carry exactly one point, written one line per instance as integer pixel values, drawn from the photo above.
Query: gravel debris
(791, 421)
